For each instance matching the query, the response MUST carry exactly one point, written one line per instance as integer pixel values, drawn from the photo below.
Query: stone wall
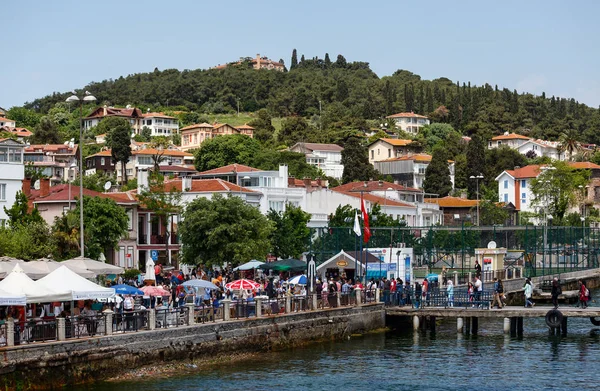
(50, 365)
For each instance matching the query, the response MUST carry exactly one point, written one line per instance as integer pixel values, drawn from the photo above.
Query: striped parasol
(242, 284)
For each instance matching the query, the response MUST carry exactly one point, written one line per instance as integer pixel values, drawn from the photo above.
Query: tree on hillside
(498, 160)
(28, 241)
(267, 159)
(569, 142)
(118, 133)
(293, 130)
(438, 134)
(490, 211)
(327, 61)
(291, 235)
(18, 213)
(23, 117)
(105, 223)
(46, 132)
(224, 229)
(356, 164)
(146, 134)
(475, 162)
(161, 144)
(263, 126)
(294, 62)
(461, 177)
(437, 175)
(340, 62)
(223, 150)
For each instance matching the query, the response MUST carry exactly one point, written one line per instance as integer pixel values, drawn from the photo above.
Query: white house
(12, 173)
(327, 157)
(59, 162)
(143, 159)
(7, 122)
(387, 148)
(159, 124)
(409, 122)
(550, 149)
(514, 186)
(512, 140)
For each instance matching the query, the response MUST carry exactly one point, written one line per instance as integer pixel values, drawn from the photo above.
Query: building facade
(410, 123)
(409, 170)
(388, 148)
(12, 172)
(326, 157)
(59, 162)
(194, 135)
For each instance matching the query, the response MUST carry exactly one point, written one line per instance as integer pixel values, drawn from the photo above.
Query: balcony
(160, 239)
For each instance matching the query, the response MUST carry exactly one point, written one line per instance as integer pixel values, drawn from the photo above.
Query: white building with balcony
(326, 157)
(388, 148)
(12, 173)
(410, 123)
(7, 122)
(160, 124)
(511, 140)
(409, 170)
(143, 158)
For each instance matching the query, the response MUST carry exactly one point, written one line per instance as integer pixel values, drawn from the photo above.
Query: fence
(440, 298)
(129, 322)
(36, 331)
(85, 326)
(539, 250)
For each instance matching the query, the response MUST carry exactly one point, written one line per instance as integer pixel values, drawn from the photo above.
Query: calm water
(404, 361)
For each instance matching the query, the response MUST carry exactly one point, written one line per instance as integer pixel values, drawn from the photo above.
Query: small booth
(344, 264)
(491, 258)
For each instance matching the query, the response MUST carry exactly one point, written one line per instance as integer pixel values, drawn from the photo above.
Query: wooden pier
(467, 319)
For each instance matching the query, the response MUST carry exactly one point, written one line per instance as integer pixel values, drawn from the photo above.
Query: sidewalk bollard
(10, 332)
(61, 325)
(258, 307)
(377, 295)
(151, 319)
(191, 318)
(339, 301)
(358, 296)
(459, 325)
(226, 309)
(314, 301)
(108, 322)
(288, 304)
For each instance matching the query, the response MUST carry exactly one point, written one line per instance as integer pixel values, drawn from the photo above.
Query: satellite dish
(36, 185)
(107, 185)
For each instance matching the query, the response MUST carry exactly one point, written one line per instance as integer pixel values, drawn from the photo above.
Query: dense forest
(341, 95)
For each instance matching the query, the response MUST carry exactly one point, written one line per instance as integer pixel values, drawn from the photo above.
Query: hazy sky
(531, 46)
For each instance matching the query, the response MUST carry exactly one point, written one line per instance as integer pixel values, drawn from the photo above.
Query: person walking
(444, 276)
(387, 286)
(450, 293)
(478, 286)
(584, 294)
(471, 293)
(528, 291)
(425, 293)
(477, 269)
(556, 290)
(498, 291)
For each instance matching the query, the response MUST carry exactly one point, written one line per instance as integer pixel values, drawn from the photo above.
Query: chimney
(463, 194)
(142, 183)
(44, 187)
(291, 181)
(186, 183)
(104, 111)
(27, 187)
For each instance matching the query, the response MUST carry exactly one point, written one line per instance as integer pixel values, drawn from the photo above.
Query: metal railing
(3, 334)
(460, 298)
(128, 322)
(172, 317)
(85, 326)
(36, 331)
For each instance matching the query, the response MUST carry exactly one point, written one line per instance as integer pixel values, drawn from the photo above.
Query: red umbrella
(151, 290)
(242, 284)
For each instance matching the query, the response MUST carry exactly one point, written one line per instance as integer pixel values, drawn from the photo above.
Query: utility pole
(320, 117)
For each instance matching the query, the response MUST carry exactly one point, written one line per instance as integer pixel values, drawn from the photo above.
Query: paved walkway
(506, 312)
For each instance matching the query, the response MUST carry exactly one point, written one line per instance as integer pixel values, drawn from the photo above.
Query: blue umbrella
(124, 289)
(298, 280)
(200, 284)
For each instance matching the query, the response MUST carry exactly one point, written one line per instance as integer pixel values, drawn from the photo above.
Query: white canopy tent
(44, 266)
(17, 282)
(12, 299)
(7, 264)
(94, 266)
(78, 287)
(253, 264)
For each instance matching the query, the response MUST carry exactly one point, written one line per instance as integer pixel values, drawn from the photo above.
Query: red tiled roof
(23, 132)
(174, 168)
(160, 115)
(320, 147)
(230, 169)
(165, 152)
(116, 111)
(245, 127)
(6, 119)
(406, 115)
(50, 148)
(511, 136)
(208, 186)
(452, 202)
(372, 186)
(583, 165)
(196, 126)
(531, 171)
(374, 199)
(394, 141)
(101, 153)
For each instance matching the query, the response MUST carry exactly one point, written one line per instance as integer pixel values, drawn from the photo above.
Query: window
(14, 155)
(102, 162)
(129, 172)
(523, 185)
(146, 160)
(129, 218)
(121, 260)
(372, 155)
(129, 256)
(266, 181)
(2, 191)
(389, 155)
(3, 155)
(505, 197)
(523, 195)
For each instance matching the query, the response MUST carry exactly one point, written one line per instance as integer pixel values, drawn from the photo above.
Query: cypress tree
(294, 62)
(475, 163)
(437, 175)
(327, 60)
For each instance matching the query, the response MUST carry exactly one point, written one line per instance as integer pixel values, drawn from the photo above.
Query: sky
(531, 46)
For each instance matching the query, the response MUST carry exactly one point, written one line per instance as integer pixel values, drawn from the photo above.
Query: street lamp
(87, 97)
(477, 178)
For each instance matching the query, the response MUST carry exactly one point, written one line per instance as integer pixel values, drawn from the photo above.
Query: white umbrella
(200, 284)
(94, 266)
(253, 264)
(150, 275)
(44, 266)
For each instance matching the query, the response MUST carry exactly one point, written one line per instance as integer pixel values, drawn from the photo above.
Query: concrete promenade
(506, 312)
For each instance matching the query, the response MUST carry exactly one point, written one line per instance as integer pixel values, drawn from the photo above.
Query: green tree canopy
(291, 236)
(46, 132)
(437, 175)
(224, 229)
(223, 150)
(118, 139)
(355, 160)
(263, 126)
(28, 241)
(18, 213)
(475, 162)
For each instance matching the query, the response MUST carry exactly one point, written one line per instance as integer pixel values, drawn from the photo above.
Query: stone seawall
(51, 365)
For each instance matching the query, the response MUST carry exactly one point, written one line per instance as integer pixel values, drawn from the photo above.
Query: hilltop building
(257, 62)
(409, 122)
(194, 135)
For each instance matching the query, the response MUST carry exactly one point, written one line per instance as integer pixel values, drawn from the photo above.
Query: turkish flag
(365, 217)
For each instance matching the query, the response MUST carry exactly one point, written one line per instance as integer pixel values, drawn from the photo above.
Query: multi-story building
(512, 140)
(387, 148)
(409, 170)
(194, 135)
(409, 122)
(59, 162)
(257, 62)
(12, 172)
(7, 122)
(160, 124)
(144, 158)
(327, 157)
(22, 133)
(132, 114)
(100, 162)
(541, 148)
